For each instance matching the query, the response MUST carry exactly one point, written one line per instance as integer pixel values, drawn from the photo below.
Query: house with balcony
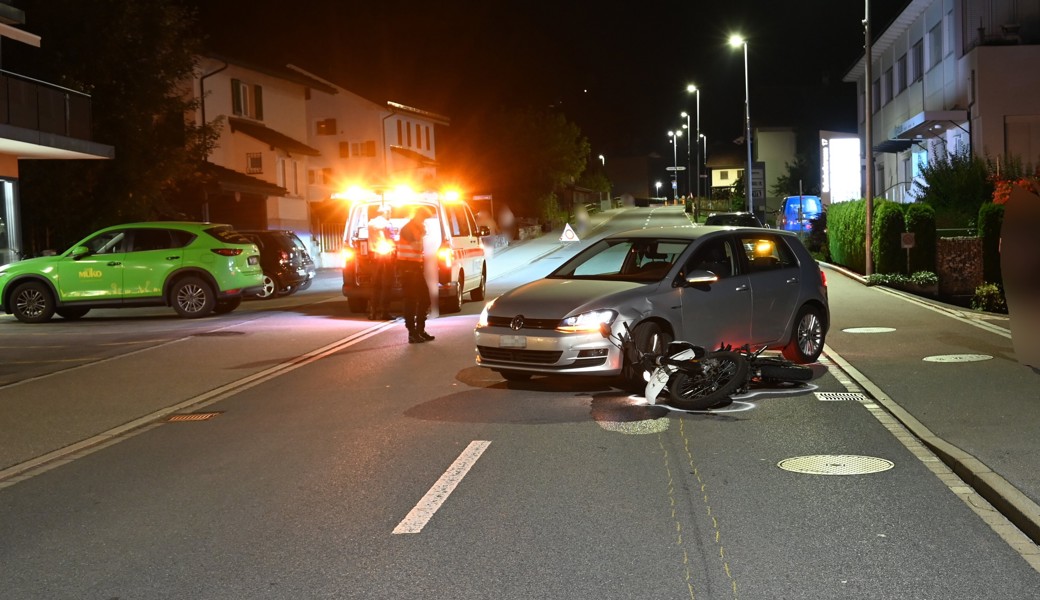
(951, 76)
(257, 170)
(38, 121)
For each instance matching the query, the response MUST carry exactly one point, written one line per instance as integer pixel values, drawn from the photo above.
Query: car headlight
(588, 322)
(482, 320)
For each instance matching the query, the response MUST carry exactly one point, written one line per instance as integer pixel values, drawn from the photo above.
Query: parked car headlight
(588, 322)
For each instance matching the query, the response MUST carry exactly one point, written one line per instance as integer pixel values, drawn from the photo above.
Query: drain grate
(835, 464)
(841, 397)
(192, 417)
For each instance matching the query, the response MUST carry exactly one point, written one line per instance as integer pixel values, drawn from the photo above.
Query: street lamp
(675, 135)
(689, 163)
(696, 90)
(603, 159)
(735, 41)
(657, 194)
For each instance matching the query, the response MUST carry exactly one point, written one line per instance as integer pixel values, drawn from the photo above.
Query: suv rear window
(227, 235)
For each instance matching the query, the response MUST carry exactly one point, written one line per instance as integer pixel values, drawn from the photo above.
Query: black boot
(415, 338)
(426, 337)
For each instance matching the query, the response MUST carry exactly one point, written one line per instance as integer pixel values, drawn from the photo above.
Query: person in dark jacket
(413, 281)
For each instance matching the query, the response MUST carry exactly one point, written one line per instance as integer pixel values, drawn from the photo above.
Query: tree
(955, 185)
(533, 155)
(802, 177)
(132, 58)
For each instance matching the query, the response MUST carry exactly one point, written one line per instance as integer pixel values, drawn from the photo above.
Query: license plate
(512, 341)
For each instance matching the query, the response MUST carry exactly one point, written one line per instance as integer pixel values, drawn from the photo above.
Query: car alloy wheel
(192, 298)
(32, 303)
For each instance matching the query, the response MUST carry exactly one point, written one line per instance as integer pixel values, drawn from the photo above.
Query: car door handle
(742, 288)
(114, 263)
(173, 258)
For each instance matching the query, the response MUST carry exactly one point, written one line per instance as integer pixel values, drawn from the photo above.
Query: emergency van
(454, 254)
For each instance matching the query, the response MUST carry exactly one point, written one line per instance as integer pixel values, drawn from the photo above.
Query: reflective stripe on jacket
(410, 245)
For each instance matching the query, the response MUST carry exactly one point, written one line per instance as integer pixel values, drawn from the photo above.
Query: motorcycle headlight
(588, 322)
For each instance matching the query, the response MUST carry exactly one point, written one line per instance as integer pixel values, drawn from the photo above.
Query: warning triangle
(568, 234)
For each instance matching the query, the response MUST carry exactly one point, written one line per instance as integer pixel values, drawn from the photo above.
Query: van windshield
(399, 215)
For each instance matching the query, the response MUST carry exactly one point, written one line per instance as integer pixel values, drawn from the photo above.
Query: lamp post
(603, 159)
(868, 139)
(696, 90)
(675, 135)
(657, 194)
(736, 40)
(689, 163)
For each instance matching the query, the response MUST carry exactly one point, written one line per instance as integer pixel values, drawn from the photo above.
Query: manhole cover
(957, 358)
(869, 330)
(840, 396)
(835, 464)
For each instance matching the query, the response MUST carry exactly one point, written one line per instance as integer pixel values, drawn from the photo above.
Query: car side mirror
(701, 278)
(79, 252)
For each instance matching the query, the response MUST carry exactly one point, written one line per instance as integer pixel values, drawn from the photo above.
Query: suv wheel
(32, 303)
(192, 298)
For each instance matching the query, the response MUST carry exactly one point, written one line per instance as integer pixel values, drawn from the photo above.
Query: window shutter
(259, 97)
(236, 99)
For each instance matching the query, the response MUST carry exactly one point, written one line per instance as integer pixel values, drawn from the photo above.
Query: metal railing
(41, 106)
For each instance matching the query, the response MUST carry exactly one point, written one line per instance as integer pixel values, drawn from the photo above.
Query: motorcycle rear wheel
(722, 373)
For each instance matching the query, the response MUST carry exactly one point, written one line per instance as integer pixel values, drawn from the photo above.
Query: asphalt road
(338, 461)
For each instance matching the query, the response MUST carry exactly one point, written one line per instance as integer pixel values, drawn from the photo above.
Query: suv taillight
(226, 251)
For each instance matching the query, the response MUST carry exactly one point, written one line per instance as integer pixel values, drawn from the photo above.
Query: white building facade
(951, 76)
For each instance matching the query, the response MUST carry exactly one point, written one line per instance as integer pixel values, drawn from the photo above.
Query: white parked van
(455, 259)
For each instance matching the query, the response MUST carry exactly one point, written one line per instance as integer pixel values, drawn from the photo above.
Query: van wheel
(481, 290)
(454, 304)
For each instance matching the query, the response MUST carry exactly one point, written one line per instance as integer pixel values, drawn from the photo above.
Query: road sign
(675, 168)
(568, 234)
(906, 240)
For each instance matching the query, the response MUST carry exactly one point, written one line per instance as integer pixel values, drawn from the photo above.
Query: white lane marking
(40, 464)
(422, 512)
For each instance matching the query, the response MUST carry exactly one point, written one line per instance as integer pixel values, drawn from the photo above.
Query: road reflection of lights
(735, 406)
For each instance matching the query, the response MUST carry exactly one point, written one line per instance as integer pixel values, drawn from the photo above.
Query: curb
(1008, 500)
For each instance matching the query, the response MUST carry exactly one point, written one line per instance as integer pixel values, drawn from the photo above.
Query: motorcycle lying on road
(699, 380)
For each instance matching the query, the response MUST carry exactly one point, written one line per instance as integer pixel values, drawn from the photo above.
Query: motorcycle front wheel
(721, 374)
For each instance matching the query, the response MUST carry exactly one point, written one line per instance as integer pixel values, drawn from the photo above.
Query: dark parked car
(738, 219)
(287, 265)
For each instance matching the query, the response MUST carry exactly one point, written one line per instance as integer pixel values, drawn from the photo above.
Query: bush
(816, 241)
(898, 280)
(991, 217)
(989, 297)
(920, 221)
(846, 234)
(885, 246)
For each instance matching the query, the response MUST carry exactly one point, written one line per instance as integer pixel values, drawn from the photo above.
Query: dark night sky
(619, 70)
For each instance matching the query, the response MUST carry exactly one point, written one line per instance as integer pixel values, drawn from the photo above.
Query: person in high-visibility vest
(413, 282)
(381, 260)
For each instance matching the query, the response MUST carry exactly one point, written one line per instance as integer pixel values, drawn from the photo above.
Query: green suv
(197, 268)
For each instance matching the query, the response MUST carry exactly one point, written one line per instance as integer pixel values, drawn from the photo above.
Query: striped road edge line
(422, 512)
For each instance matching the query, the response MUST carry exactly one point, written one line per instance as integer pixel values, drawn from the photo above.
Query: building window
(400, 133)
(247, 100)
(900, 75)
(344, 150)
(427, 137)
(723, 175)
(311, 178)
(418, 136)
(254, 163)
(326, 127)
(935, 45)
(367, 148)
(887, 87)
(408, 132)
(875, 95)
(326, 176)
(917, 61)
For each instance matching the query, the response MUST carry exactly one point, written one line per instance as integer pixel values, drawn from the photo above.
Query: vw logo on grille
(517, 323)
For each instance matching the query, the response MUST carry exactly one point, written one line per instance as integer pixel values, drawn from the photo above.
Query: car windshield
(640, 260)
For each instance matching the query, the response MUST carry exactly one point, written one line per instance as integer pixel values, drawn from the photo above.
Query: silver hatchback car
(707, 285)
